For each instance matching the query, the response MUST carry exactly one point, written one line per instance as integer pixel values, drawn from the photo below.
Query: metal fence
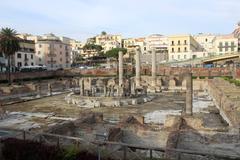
(115, 150)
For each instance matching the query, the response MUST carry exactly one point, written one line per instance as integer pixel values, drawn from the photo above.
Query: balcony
(51, 62)
(52, 55)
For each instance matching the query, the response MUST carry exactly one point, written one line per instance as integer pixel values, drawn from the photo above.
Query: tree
(90, 46)
(9, 44)
(103, 33)
(114, 52)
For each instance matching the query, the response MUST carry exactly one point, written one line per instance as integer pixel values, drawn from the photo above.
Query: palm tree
(9, 44)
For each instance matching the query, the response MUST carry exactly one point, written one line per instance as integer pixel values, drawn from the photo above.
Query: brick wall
(145, 70)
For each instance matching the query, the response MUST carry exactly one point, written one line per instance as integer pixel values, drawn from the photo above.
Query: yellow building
(182, 47)
(128, 43)
(108, 41)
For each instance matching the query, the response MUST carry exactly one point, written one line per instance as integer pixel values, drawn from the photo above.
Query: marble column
(138, 68)
(39, 90)
(49, 89)
(105, 90)
(153, 68)
(82, 87)
(189, 94)
(120, 68)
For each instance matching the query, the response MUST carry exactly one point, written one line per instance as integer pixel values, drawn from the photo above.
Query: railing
(118, 150)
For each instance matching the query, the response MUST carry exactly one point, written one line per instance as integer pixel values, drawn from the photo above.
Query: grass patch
(231, 80)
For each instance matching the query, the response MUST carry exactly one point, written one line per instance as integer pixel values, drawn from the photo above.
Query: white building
(26, 55)
(77, 50)
(159, 43)
(2, 62)
(206, 42)
(226, 44)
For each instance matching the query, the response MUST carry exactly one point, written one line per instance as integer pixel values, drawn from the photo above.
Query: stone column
(189, 94)
(133, 88)
(138, 68)
(89, 83)
(39, 90)
(82, 87)
(105, 90)
(49, 89)
(153, 68)
(120, 68)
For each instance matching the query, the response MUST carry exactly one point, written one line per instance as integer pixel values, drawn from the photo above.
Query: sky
(80, 19)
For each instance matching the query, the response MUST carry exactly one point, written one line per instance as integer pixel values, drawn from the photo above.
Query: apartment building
(226, 44)
(52, 52)
(26, 55)
(77, 49)
(182, 47)
(236, 34)
(128, 42)
(206, 43)
(108, 41)
(157, 42)
(2, 62)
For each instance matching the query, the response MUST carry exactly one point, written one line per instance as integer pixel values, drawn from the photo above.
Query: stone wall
(227, 98)
(64, 73)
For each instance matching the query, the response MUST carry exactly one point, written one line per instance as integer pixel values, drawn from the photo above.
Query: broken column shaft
(120, 68)
(189, 94)
(153, 68)
(138, 69)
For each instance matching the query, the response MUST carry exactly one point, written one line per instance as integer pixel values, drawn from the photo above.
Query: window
(60, 59)
(226, 44)
(179, 49)
(60, 52)
(31, 56)
(232, 46)
(40, 59)
(172, 42)
(185, 49)
(185, 42)
(172, 49)
(40, 46)
(178, 42)
(220, 46)
(32, 63)
(206, 40)
(39, 52)
(25, 56)
(19, 55)
(60, 46)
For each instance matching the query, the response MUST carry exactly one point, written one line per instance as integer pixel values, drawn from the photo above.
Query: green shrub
(70, 153)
